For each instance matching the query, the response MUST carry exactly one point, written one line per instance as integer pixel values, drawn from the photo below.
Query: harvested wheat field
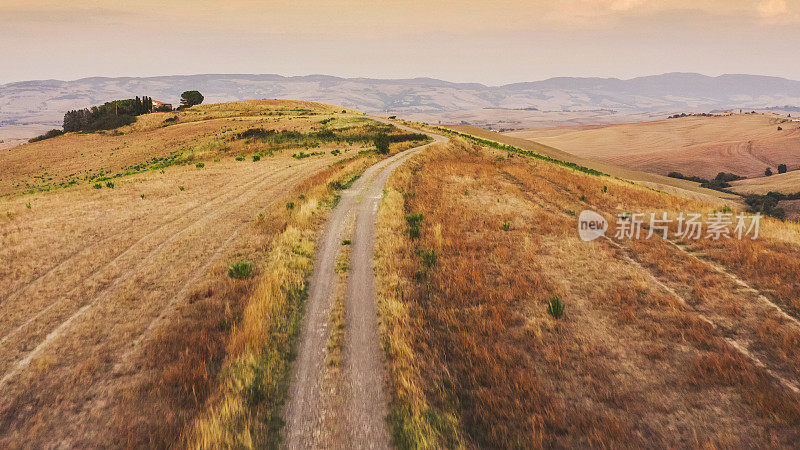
(785, 183)
(662, 343)
(703, 146)
(120, 304)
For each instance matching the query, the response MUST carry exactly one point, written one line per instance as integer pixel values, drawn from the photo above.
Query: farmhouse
(159, 106)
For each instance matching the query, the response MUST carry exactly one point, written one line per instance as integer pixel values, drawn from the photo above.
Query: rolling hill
(744, 144)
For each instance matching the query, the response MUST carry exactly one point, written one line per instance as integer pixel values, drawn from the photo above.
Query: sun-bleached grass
(474, 359)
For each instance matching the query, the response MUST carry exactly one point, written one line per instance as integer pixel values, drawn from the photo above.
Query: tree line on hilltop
(109, 115)
(115, 114)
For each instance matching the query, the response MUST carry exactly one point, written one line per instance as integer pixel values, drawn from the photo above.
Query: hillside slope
(121, 300)
(744, 144)
(662, 343)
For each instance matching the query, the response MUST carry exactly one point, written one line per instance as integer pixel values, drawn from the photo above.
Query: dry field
(118, 311)
(744, 144)
(662, 343)
(683, 188)
(785, 183)
(197, 134)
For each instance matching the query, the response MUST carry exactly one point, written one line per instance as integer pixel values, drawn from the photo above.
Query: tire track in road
(365, 399)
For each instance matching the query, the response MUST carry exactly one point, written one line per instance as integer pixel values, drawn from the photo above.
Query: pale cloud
(772, 8)
(777, 12)
(528, 39)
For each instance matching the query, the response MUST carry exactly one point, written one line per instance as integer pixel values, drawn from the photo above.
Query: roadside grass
(476, 360)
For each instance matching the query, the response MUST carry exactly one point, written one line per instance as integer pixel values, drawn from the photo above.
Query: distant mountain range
(44, 102)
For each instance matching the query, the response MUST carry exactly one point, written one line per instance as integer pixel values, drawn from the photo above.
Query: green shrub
(289, 205)
(141, 195)
(28, 205)
(382, 143)
(256, 158)
(428, 257)
(110, 184)
(555, 307)
(49, 135)
(98, 186)
(240, 158)
(200, 165)
(414, 221)
(506, 225)
(240, 270)
(181, 188)
(346, 242)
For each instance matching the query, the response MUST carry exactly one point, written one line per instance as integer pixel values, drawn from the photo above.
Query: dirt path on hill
(363, 408)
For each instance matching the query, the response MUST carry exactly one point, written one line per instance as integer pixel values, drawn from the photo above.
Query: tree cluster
(110, 115)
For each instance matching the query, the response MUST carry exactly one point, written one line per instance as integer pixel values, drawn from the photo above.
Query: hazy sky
(491, 42)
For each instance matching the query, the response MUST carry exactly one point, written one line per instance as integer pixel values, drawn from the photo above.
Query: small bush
(289, 205)
(240, 270)
(555, 307)
(240, 158)
(428, 257)
(141, 195)
(414, 222)
(110, 184)
(346, 242)
(98, 186)
(28, 205)
(200, 165)
(768, 172)
(381, 142)
(181, 188)
(506, 225)
(256, 158)
(50, 134)
(782, 168)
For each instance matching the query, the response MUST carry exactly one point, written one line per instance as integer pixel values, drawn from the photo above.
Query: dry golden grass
(647, 353)
(683, 188)
(200, 134)
(744, 144)
(119, 315)
(785, 183)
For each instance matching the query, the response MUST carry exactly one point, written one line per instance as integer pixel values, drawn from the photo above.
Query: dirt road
(364, 404)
